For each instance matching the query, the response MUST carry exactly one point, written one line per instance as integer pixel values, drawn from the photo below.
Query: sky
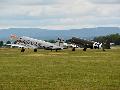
(59, 14)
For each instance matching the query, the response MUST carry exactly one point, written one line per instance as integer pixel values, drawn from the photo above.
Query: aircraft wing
(16, 45)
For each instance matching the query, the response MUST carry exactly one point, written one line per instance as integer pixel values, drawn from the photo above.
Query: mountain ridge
(45, 34)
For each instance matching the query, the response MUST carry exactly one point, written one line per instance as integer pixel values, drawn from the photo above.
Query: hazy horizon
(57, 29)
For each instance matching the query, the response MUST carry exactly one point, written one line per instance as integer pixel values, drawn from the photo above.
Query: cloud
(105, 1)
(27, 2)
(59, 13)
(108, 11)
(71, 9)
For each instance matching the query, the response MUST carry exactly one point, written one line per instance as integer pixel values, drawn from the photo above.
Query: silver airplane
(36, 44)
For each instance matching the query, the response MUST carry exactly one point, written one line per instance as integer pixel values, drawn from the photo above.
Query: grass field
(63, 70)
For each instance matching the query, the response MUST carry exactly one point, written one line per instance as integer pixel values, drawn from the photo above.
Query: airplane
(36, 44)
(81, 42)
(85, 43)
(61, 43)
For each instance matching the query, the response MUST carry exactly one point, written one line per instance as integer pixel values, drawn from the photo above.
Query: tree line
(112, 38)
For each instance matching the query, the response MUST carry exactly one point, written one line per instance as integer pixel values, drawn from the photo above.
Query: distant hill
(44, 34)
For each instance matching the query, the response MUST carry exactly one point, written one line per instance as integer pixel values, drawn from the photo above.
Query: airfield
(62, 70)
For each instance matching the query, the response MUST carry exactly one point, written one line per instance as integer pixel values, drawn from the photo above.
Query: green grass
(63, 70)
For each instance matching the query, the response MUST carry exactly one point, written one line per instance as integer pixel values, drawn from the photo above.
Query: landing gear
(73, 49)
(56, 50)
(22, 50)
(84, 49)
(35, 50)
